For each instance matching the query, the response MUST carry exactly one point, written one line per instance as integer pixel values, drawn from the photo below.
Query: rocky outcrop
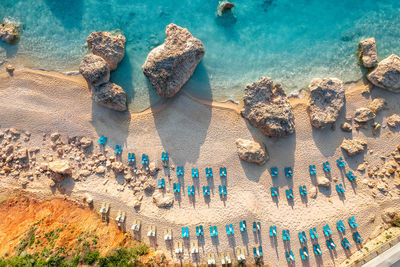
(170, 65)
(251, 151)
(346, 127)
(326, 100)
(323, 181)
(377, 104)
(95, 70)
(109, 46)
(110, 95)
(367, 52)
(363, 115)
(8, 32)
(387, 74)
(60, 167)
(393, 121)
(267, 107)
(224, 6)
(353, 146)
(163, 201)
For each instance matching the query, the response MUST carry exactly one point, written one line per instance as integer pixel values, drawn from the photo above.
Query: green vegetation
(388, 236)
(396, 220)
(124, 257)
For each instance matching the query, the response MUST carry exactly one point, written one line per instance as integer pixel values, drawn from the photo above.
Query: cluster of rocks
(9, 32)
(107, 50)
(169, 66)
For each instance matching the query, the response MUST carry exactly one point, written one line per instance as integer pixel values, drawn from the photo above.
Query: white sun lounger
(178, 247)
(240, 254)
(168, 234)
(136, 225)
(104, 208)
(194, 247)
(151, 232)
(210, 259)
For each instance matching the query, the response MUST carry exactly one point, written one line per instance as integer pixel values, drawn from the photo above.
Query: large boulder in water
(267, 107)
(387, 74)
(326, 100)
(8, 32)
(110, 95)
(251, 151)
(109, 46)
(224, 6)
(170, 65)
(95, 70)
(367, 52)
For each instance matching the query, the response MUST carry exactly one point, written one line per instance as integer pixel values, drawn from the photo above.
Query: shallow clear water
(290, 41)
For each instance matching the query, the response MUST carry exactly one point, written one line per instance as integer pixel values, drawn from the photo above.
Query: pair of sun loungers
(229, 229)
(340, 189)
(285, 235)
(118, 150)
(161, 183)
(120, 219)
(179, 171)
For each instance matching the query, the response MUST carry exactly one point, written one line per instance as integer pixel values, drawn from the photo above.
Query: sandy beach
(199, 134)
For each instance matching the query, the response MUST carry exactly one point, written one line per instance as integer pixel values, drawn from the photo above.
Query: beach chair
(206, 190)
(290, 256)
(118, 150)
(229, 229)
(199, 231)
(178, 247)
(131, 158)
(120, 219)
(243, 226)
(304, 253)
(194, 247)
(302, 237)
(303, 190)
(274, 191)
(185, 232)
(222, 172)
(352, 222)
(346, 244)
(168, 234)
(102, 140)
(288, 172)
(340, 226)
(151, 231)
(340, 189)
(317, 249)
(327, 167)
(211, 259)
(289, 193)
(350, 175)
(161, 183)
(165, 158)
(222, 190)
(285, 235)
(330, 244)
(179, 171)
(357, 238)
(272, 231)
(213, 231)
(313, 233)
(258, 253)
(222, 258)
(105, 207)
(176, 187)
(240, 254)
(136, 225)
(256, 226)
(145, 160)
(340, 162)
(327, 231)
(191, 191)
(209, 173)
(312, 170)
(195, 173)
(274, 171)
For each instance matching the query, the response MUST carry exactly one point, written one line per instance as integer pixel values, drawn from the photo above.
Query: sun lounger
(222, 172)
(176, 187)
(210, 259)
(272, 231)
(185, 232)
(195, 173)
(258, 253)
(243, 226)
(199, 231)
(302, 237)
(136, 225)
(191, 191)
(327, 231)
(194, 247)
(168, 234)
(350, 175)
(285, 235)
(120, 219)
(274, 191)
(327, 167)
(213, 231)
(357, 238)
(340, 189)
(304, 253)
(312, 170)
(289, 193)
(206, 190)
(229, 229)
(145, 160)
(118, 150)
(222, 190)
(340, 226)
(179, 171)
(330, 244)
(346, 244)
(178, 247)
(313, 233)
(317, 249)
(164, 158)
(256, 226)
(352, 222)
(340, 162)
(288, 172)
(209, 173)
(131, 158)
(240, 255)
(222, 258)
(104, 208)
(274, 171)
(161, 183)
(102, 140)
(290, 256)
(303, 190)
(151, 231)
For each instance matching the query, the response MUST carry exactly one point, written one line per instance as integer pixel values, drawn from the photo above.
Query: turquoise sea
(290, 41)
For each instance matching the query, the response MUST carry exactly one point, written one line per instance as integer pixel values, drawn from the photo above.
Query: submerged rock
(353, 146)
(8, 32)
(363, 115)
(393, 121)
(267, 107)
(224, 6)
(387, 74)
(110, 95)
(163, 201)
(109, 46)
(170, 65)
(326, 100)
(95, 70)
(251, 151)
(368, 53)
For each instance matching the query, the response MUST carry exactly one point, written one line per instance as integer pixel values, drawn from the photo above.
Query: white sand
(199, 135)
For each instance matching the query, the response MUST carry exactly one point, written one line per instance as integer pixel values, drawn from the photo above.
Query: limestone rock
(153, 169)
(148, 186)
(323, 181)
(10, 68)
(251, 151)
(377, 231)
(110, 95)
(313, 192)
(163, 201)
(393, 121)
(101, 169)
(363, 115)
(54, 136)
(368, 53)
(346, 127)
(88, 198)
(85, 142)
(224, 6)
(353, 146)
(117, 166)
(388, 214)
(8, 32)
(377, 104)
(170, 65)
(60, 166)
(95, 70)
(109, 46)
(267, 108)
(387, 74)
(326, 100)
